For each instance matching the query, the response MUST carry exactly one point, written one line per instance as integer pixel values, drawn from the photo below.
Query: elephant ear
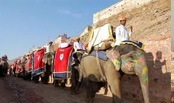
(114, 56)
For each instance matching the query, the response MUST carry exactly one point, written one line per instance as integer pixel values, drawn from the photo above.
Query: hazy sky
(28, 23)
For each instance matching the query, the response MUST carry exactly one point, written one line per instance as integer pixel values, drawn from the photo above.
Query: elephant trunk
(143, 77)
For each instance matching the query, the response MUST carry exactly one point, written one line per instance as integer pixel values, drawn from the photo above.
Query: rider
(121, 32)
(49, 47)
(78, 45)
(79, 48)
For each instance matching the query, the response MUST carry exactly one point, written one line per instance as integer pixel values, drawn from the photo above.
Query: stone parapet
(117, 8)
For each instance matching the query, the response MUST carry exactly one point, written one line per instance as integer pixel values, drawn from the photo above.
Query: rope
(100, 69)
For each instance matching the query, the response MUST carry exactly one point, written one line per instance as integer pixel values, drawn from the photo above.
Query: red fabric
(38, 56)
(28, 64)
(18, 68)
(61, 60)
(14, 65)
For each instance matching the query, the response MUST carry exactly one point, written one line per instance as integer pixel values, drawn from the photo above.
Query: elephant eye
(132, 56)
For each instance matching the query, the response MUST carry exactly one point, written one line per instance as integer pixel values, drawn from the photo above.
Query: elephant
(48, 69)
(4, 68)
(129, 59)
(28, 68)
(75, 84)
(1, 71)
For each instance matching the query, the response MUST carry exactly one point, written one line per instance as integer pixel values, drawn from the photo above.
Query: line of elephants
(96, 73)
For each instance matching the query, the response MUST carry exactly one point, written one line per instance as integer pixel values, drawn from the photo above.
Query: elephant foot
(55, 83)
(63, 85)
(74, 92)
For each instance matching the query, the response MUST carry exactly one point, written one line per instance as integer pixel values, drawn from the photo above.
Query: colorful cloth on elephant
(138, 45)
(28, 65)
(99, 35)
(38, 63)
(101, 55)
(62, 62)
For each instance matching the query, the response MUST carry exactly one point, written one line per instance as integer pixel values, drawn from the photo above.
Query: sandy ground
(16, 90)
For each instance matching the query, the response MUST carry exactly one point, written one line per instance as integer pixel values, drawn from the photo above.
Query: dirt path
(11, 91)
(16, 90)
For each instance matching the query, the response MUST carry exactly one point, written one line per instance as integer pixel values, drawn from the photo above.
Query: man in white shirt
(79, 49)
(49, 47)
(121, 32)
(78, 46)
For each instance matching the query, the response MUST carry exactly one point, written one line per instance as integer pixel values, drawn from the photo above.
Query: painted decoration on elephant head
(114, 56)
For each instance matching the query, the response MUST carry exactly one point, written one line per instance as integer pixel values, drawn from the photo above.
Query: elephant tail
(80, 73)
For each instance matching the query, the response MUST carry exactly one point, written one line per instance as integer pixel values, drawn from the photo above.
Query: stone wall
(172, 24)
(117, 8)
(163, 46)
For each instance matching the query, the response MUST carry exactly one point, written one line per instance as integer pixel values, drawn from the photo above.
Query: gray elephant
(48, 68)
(3, 66)
(128, 59)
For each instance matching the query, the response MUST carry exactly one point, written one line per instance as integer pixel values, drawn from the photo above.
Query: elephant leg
(36, 79)
(92, 88)
(29, 76)
(143, 77)
(113, 80)
(1, 72)
(56, 83)
(45, 78)
(47, 73)
(74, 81)
(63, 83)
(105, 89)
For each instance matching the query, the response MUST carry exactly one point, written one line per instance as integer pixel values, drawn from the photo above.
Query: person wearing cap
(78, 46)
(49, 47)
(79, 49)
(121, 32)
